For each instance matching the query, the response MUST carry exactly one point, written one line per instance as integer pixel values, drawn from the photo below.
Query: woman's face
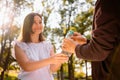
(37, 26)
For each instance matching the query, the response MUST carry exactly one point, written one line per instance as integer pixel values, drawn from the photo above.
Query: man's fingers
(76, 34)
(74, 38)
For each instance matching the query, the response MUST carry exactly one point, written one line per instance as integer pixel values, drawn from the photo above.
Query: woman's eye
(40, 22)
(34, 22)
(37, 22)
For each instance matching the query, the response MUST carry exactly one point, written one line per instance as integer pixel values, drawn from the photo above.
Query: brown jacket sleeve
(104, 37)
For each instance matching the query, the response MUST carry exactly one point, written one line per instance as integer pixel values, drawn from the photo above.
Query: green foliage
(10, 78)
(83, 22)
(19, 2)
(80, 75)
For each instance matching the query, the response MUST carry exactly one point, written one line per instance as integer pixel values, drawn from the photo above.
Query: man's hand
(69, 45)
(79, 38)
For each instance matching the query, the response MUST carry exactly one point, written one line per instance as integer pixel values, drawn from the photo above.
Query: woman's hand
(58, 58)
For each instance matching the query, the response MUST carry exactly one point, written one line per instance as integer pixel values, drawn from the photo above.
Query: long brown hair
(27, 28)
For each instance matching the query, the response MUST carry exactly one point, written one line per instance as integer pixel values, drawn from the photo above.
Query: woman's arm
(29, 65)
(55, 67)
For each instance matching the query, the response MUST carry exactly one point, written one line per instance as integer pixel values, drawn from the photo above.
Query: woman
(35, 55)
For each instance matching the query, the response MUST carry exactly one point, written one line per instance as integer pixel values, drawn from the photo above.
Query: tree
(8, 33)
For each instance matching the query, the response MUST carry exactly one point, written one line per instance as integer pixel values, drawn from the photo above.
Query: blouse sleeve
(19, 44)
(22, 45)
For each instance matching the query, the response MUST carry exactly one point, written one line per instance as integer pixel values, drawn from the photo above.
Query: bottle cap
(71, 32)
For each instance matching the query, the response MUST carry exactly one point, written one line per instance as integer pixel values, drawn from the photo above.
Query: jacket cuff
(77, 50)
(88, 41)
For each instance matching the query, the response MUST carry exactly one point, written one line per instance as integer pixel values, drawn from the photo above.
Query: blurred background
(59, 16)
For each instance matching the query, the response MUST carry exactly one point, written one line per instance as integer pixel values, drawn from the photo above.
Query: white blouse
(36, 52)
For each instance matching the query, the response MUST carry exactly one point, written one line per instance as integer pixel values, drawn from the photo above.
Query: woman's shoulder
(47, 44)
(20, 44)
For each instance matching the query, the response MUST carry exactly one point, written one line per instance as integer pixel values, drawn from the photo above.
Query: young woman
(35, 55)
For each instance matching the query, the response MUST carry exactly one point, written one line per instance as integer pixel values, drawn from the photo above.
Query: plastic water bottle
(68, 35)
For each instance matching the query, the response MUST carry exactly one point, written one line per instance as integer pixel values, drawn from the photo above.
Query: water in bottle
(68, 35)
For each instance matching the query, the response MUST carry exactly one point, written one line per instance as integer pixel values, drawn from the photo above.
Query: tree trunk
(70, 69)
(61, 73)
(86, 69)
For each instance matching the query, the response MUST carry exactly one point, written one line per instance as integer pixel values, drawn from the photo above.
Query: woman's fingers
(60, 58)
